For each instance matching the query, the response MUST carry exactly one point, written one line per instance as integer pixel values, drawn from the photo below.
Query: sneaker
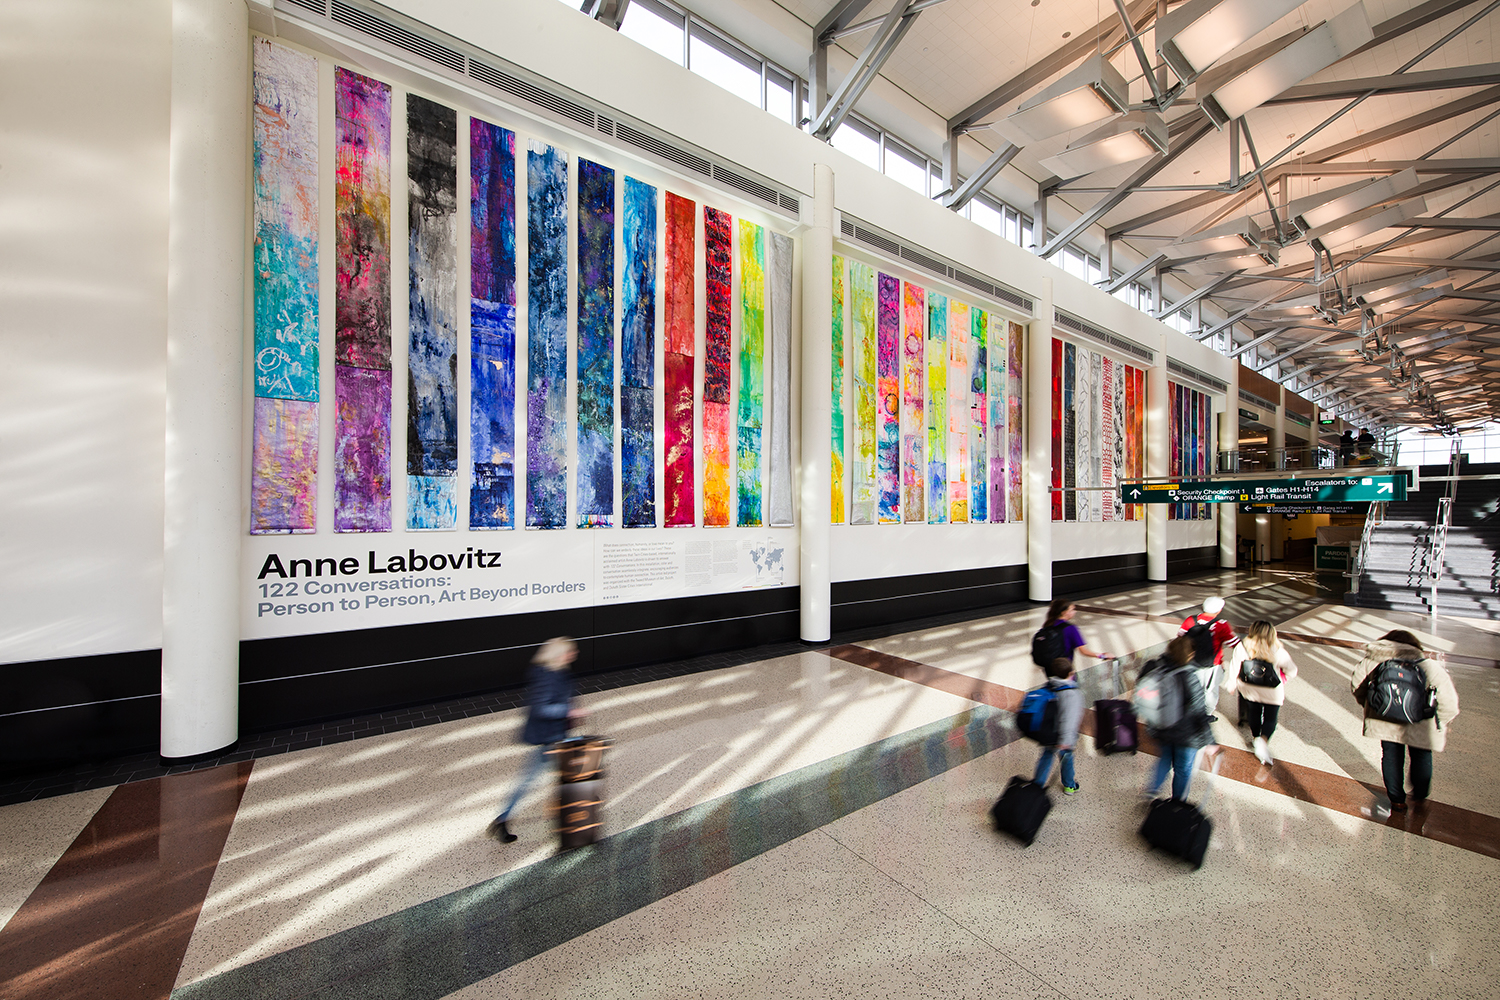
(497, 830)
(1070, 789)
(1398, 807)
(1262, 752)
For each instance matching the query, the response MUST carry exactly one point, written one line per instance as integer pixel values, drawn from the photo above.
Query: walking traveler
(1260, 669)
(1408, 700)
(1210, 636)
(1170, 702)
(549, 715)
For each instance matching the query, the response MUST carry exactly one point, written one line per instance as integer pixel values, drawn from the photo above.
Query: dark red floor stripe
(1452, 825)
(113, 917)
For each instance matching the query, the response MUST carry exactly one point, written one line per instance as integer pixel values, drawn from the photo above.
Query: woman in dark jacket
(549, 700)
(1181, 742)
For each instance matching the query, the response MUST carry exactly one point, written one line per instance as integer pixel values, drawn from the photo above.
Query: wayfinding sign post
(1314, 489)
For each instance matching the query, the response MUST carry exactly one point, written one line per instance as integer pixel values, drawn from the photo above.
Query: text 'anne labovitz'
(412, 562)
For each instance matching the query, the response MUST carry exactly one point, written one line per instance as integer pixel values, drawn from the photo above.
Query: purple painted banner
(888, 398)
(362, 449)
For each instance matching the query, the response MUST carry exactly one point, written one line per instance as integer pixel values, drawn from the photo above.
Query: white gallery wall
(84, 114)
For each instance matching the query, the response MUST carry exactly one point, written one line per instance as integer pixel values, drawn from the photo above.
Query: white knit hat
(1213, 605)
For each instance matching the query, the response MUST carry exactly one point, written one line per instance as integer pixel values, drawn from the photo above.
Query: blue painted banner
(547, 337)
(638, 357)
(492, 325)
(596, 345)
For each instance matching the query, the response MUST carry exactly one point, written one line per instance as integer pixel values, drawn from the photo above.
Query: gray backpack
(1159, 699)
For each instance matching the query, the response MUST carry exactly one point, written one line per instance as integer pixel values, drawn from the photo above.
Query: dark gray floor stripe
(432, 949)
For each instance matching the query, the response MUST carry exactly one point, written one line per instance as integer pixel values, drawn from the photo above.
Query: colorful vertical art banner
(1174, 440)
(1117, 435)
(1083, 433)
(779, 514)
(284, 446)
(913, 403)
(1014, 495)
(362, 304)
(546, 336)
(638, 357)
(888, 398)
(1070, 433)
(679, 481)
(1107, 438)
(937, 408)
(1058, 459)
(718, 255)
(998, 352)
(836, 458)
(750, 425)
(863, 369)
(492, 325)
(432, 303)
(1138, 450)
(978, 380)
(959, 333)
(596, 345)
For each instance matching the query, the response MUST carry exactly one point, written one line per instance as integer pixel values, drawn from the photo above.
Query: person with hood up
(1420, 739)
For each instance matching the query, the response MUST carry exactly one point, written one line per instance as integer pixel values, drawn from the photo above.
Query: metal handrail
(1438, 550)
(1376, 513)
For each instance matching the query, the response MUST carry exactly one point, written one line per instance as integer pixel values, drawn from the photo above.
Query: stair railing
(1373, 517)
(1438, 549)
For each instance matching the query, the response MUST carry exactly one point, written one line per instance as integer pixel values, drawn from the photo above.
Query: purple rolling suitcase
(1114, 721)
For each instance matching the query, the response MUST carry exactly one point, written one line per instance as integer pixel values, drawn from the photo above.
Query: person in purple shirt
(1063, 610)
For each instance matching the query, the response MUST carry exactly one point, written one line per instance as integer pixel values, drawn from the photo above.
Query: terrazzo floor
(807, 825)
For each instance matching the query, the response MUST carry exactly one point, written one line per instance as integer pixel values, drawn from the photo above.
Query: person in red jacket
(1210, 661)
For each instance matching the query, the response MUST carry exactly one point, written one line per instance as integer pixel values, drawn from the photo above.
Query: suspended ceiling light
(1417, 298)
(1232, 246)
(1199, 33)
(1377, 292)
(1094, 90)
(1321, 209)
(1129, 137)
(1361, 224)
(1320, 48)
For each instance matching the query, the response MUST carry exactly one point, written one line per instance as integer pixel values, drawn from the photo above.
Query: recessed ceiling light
(1291, 135)
(1067, 34)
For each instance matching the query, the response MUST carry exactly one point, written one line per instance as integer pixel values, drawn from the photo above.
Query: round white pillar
(1277, 526)
(209, 157)
(1158, 465)
(1229, 440)
(1038, 429)
(816, 588)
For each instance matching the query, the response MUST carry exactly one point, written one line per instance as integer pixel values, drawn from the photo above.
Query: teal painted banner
(1313, 489)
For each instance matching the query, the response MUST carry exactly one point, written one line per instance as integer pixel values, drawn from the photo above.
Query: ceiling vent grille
(396, 35)
(366, 18)
(1070, 322)
(1249, 397)
(860, 232)
(1202, 378)
(517, 87)
(666, 151)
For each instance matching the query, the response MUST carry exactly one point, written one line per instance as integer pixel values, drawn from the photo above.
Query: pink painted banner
(284, 466)
(678, 480)
(958, 410)
(913, 400)
(888, 399)
(1013, 492)
(1107, 437)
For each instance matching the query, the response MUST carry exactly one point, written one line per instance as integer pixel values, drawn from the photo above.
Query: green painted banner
(1310, 490)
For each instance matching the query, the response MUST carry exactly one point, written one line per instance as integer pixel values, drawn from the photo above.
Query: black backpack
(1047, 645)
(1397, 691)
(1202, 634)
(1261, 673)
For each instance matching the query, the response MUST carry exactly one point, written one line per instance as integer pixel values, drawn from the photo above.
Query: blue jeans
(1179, 760)
(1044, 766)
(534, 766)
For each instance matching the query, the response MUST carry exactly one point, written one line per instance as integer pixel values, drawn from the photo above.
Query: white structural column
(817, 412)
(1229, 440)
(1277, 525)
(1038, 365)
(1157, 462)
(209, 159)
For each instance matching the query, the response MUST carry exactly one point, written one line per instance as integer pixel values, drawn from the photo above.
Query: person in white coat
(1420, 739)
(1261, 657)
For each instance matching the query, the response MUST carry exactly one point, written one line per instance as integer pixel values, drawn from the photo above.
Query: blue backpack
(1037, 716)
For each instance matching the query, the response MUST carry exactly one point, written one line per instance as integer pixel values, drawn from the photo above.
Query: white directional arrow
(1386, 488)
(1135, 493)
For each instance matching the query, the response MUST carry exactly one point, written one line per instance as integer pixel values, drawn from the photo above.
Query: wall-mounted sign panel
(1322, 488)
(1293, 509)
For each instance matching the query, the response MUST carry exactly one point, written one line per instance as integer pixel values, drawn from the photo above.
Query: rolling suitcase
(1180, 828)
(1114, 721)
(1020, 811)
(580, 789)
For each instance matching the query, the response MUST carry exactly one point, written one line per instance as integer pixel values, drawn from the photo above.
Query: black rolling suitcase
(1020, 811)
(580, 789)
(1180, 828)
(1114, 721)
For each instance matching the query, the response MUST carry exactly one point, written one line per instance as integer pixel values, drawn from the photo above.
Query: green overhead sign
(1348, 489)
